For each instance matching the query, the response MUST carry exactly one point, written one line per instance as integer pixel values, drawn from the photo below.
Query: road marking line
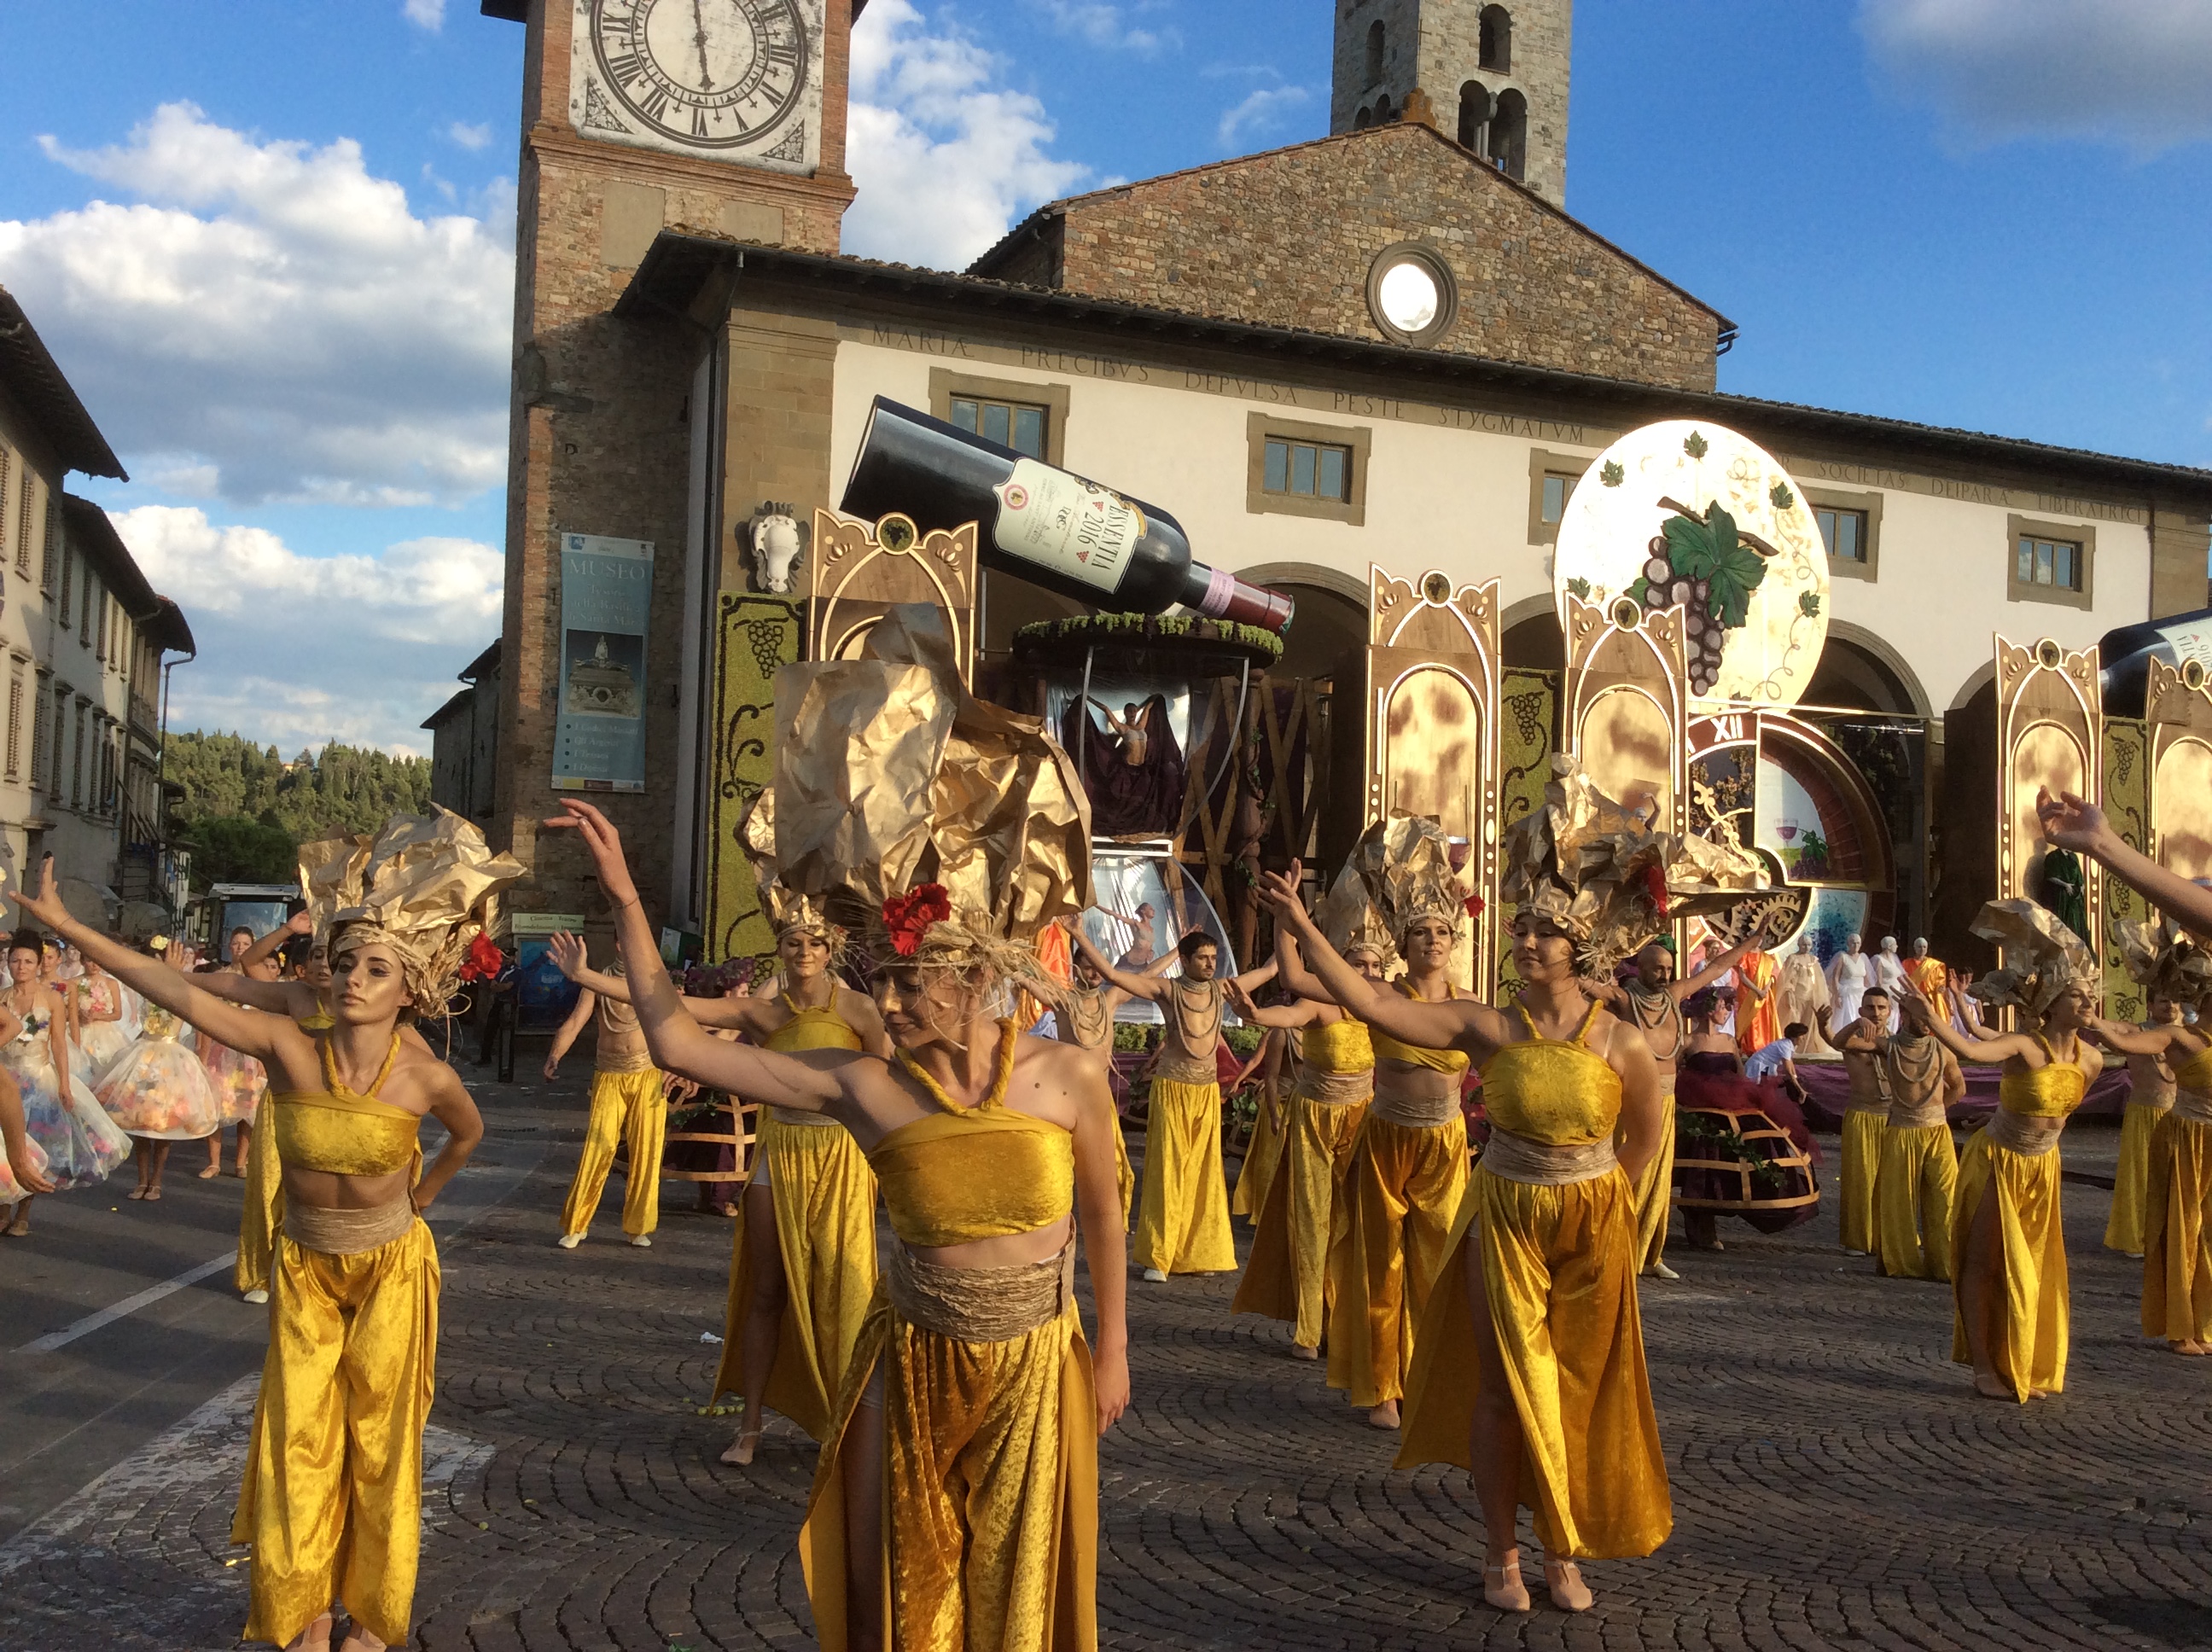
(129, 1305)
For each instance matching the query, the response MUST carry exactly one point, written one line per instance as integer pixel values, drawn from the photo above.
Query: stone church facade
(690, 343)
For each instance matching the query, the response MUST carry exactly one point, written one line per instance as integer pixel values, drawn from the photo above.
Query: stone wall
(1286, 238)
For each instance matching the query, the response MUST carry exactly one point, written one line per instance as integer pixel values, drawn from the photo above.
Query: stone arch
(1983, 677)
(1363, 120)
(1376, 41)
(1328, 638)
(1474, 114)
(1530, 637)
(1494, 44)
(1861, 669)
(1382, 110)
(1509, 134)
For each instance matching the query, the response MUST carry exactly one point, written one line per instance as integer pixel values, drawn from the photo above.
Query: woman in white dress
(1889, 975)
(1801, 994)
(1850, 972)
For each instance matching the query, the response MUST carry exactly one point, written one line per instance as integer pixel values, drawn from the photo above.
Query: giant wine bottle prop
(1056, 529)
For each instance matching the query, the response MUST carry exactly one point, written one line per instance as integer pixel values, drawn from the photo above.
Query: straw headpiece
(2043, 956)
(1398, 872)
(787, 909)
(426, 886)
(951, 831)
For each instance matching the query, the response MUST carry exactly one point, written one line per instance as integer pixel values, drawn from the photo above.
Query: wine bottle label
(1220, 587)
(1065, 524)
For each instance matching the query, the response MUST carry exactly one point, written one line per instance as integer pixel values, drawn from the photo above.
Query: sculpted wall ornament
(776, 543)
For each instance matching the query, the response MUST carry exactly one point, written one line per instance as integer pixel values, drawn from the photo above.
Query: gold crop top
(1341, 1047)
(1562, 1094)
(953, 1178)
(343, 1131)
(320, 1021)
(2048, 1092)
(811, 1029)
(1389, 1049)
(2194, 1073)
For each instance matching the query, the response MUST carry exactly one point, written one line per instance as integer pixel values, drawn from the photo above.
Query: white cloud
(272, 322)
(470, 135)
(296, 648)
(1262, 111)
(945, 155)
(425, 13)
(2135, 72)
(1097, 23)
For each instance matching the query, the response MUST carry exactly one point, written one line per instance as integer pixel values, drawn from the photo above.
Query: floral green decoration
(1809, 604)
(1712, 550)
(1782, 497)
(1696, 447)
(1134, 630)
(1612, 476)
(1580, 586)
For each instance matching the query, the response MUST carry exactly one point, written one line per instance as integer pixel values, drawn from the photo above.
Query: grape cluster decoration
(1708, 567)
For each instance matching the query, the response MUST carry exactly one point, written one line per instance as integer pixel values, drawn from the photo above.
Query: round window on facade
(1411, 293)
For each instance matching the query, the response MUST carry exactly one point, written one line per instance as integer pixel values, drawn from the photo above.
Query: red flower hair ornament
(1474, 906)
(1654, 886)
(908, 916)
(484, 959)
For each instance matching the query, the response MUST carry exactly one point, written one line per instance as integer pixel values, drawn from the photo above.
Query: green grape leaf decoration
(1612, 476)
(1713, 551)
(1580, 588)
(1639, 590)
(1696, 447)
(1808, 603)
(1781, 497)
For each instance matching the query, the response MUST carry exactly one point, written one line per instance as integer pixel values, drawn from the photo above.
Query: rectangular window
(15, 727)
(1844, 533)
(2050, 562)
(52, 543)
(2055, 562)
(76, 764)
(39, 734)
(1553, 479)
(69, 574)
(1308, 470)
(91, 595)
(24, 541)
(7, 476)
(1017, 425)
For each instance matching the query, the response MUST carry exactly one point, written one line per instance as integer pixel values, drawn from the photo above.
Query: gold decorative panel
(2049, 722)
(1626, 698)
(2178, 708)
(858, 572)
(1432, 675)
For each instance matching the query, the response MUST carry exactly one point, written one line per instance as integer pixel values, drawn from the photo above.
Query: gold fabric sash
(1336, 1089)
(347, 1233)
(1414, 1111)
(622, 1065)
(1906, 1115)
(979, 1304)
(1178, 1068)
(2194, 1104)
(1546, 1164)
(2029, 1137)
(803, 1119)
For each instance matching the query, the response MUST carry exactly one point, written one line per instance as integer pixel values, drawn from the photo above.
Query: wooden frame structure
(1625, 704)
(857, 572)
(1432, 669)
(2178, 708)
(2051, 733)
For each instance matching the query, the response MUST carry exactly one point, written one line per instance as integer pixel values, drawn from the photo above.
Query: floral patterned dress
(60, 1113)
(158, 1089)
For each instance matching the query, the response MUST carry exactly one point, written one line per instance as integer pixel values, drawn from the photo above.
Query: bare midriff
(1005, 1250)
(1413, 1082)
(325, 1190)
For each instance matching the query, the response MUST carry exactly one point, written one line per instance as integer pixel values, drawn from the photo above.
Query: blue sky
(269, 241)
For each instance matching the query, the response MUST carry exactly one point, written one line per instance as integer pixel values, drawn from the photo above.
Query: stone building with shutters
(1391, 345)
(85, 637)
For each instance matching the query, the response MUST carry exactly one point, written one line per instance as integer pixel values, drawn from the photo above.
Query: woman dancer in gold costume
(955, 1502)
(803, 1260)
(1531, 1375)
(2150, 1098)
(332, 1498)
(2007, 1245)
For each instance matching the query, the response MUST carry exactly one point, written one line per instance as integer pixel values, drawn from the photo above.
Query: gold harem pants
(332, 1502)
(1862, 1128)
(825, 1230)
(1654, 1188)
(1396, 1214)
(258, 1218)
(1558, 1268)
(990, 1490)
(2124, 1227)
(1286, 1275)
(2177, 1294)
(1912, 1199)
(2028, 1344)
(1262, 1154)
(628, 1107)
(1183, 1221)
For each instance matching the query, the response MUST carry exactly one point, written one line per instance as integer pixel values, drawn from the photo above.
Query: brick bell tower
(637, 115)
(1493, 76)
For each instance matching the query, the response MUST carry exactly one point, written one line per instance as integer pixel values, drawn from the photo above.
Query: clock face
(699, 74)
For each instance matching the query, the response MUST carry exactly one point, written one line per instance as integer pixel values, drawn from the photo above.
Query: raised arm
(1145, 984)
(2137, 1040)
(806, 1083)
(1995, 1047)
(1299, 1012)
(1252, 980)
(250, 1032)
(276, 996)
(2072, 824)
(273, 942)
(1714, 969)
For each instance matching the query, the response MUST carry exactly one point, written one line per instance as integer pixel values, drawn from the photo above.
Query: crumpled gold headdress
(894, 783)
(787, 908)
(2043, 956)
(1595, 869)
(1398, 871)
(427, 886)
(2163, 960)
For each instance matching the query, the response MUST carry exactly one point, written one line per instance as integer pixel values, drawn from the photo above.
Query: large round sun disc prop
(1692, 515)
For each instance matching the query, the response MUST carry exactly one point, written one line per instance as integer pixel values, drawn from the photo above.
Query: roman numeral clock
(735, 80)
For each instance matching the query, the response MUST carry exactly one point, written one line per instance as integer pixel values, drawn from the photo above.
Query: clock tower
(722, 116)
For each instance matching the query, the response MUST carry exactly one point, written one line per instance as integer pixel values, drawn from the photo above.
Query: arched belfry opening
(1374, 44)
(1509, 135)
(1473, 115)
(1494, 50)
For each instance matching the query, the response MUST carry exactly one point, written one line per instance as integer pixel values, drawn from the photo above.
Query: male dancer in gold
(2150, 1098)
(1531, 1374)
(628, 1105)
(332, 1499)
(803, 1259)
(1919, 1165)
(1866, 1114)
(1183, 1224)
(1653, 999)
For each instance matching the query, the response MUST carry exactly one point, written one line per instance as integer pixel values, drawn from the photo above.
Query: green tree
(245, 810)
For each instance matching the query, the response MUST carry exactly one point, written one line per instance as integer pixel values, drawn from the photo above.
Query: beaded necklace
(1001, 1078)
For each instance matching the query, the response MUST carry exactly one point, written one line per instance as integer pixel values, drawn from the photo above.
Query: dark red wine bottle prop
(1043, 524)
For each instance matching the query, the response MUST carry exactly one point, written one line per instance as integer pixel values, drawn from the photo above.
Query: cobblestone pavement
(1834, 1482)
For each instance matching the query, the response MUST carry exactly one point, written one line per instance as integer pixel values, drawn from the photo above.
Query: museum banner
(606, 593)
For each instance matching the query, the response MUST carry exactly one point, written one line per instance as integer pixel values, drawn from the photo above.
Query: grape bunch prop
(1709, 566)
